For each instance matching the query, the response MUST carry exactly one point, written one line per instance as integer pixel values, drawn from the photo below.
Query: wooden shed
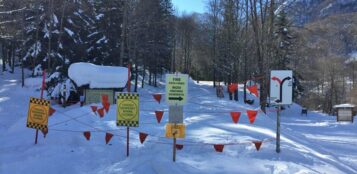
(94, 81)
(345, 112)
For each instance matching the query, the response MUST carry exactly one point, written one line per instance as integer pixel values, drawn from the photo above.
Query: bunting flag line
(232, 87)
(142, 137)
(106, 106)
(258, 144)
(94, 108)
(101, 112)
(159, 115)
(44, 132)
(87, 135)
(254, 90)
(252, 115)
(218, 147)
(51, 111)
(179, 146)
(104, 99)
(157, 97)
(108, 137)
(235, 116)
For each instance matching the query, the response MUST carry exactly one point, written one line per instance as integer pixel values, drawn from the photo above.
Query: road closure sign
(38, 112)
(128, 109)
(281, 87)
(176, 89)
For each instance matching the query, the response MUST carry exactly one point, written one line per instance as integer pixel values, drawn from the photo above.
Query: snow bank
(98, 76)
(346, 105)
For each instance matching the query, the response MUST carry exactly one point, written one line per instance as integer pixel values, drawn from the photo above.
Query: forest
(232, 42)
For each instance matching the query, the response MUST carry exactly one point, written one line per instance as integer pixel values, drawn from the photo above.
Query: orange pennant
(235, 116)
(94, 108)
(179, 146)
(142, 137)
(258, 144)
(108, 137)
(105, 98)
(218, 147)
(252, 114)
(253, 89)
(44, 132)
(101, 112)
(106, 106)
(87, 135)
(157, 97)
(52, 111)
(159, 115)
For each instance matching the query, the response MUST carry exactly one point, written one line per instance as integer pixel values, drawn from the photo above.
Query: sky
(189, 6)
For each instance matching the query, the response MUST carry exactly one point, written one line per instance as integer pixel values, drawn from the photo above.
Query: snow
(69, 32)
(346, 105)
(99, 16)
(352, 57)
(98, 76)
(55, 19)
(103, 39)
(315, 143)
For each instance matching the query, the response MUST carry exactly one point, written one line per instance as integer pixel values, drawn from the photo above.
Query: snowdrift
(98, 76)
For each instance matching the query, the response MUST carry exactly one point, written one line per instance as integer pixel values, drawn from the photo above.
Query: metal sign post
(278, 130)
(280, 94)
(176, 97)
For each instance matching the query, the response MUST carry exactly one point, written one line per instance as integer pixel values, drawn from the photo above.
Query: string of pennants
(159, 114)
(142, 137)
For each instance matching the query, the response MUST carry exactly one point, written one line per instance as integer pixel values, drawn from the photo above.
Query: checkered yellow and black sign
(133, 96)
(38, 112)
(128, 109)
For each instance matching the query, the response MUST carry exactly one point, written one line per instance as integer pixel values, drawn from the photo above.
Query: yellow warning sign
(175, 130)
(38, 112)
(128, 109)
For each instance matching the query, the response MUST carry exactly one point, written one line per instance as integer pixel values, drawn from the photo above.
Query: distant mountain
(305, 11)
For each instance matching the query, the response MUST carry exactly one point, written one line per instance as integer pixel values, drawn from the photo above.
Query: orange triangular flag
(253, 89)
(252, 115)
(142, 137)
(44, 132)
(94, 108)
(87, 135)
(159, 115)
(51, 111)
(105, 98)
(101, 112)
(106, 106)
(235, 116)
(157, 97)
(179, 146)
(218, 147)
(108, 137)
(258, 144)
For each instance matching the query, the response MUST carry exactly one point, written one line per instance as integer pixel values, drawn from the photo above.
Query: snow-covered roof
(346, 105)
(98, 76)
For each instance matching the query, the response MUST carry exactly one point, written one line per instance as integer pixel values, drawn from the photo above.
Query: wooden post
(174, 151)
(127, 141)
(42, 88)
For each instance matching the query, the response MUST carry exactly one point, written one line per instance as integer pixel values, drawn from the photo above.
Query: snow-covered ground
(310, 144)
